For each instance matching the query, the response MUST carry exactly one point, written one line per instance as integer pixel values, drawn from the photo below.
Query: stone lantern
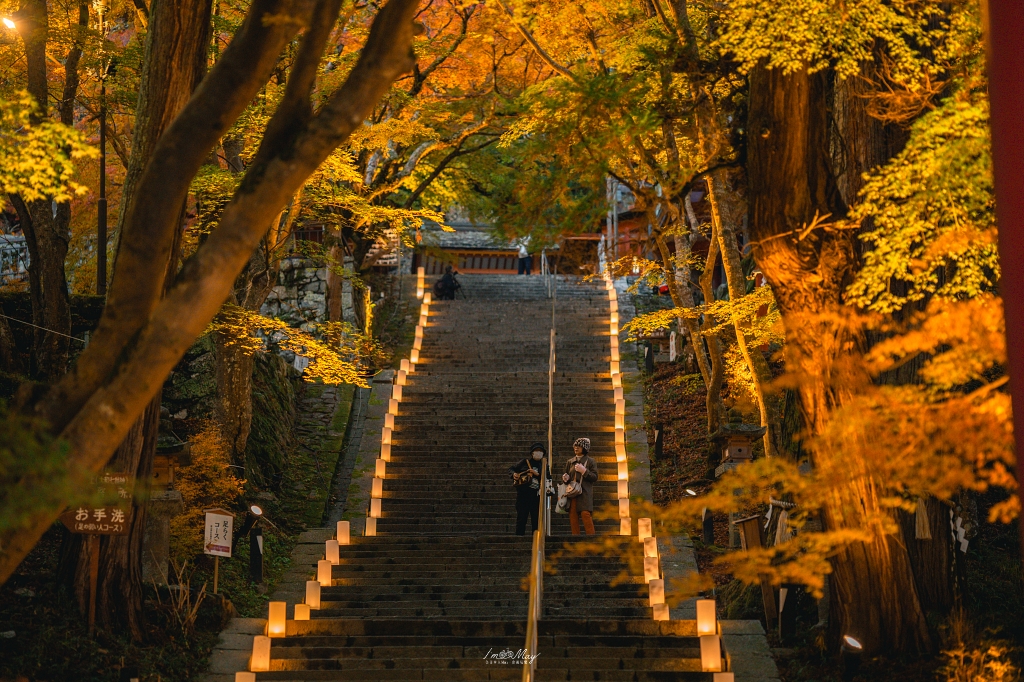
(164, 502)
(736, 443)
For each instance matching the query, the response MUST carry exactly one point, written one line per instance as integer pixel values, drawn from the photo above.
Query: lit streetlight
(8, 22)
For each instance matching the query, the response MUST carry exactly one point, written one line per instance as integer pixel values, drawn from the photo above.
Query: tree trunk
(792, 193)
(334, 280)
(724, 232)
(713, 400)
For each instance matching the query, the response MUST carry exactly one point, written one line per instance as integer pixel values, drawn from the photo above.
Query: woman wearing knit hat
(581, 467)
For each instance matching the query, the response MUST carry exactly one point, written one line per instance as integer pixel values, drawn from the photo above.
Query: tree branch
(535, 45)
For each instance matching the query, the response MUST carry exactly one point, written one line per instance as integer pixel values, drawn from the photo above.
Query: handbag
(524, 477)
(574, 488)
(562, 506)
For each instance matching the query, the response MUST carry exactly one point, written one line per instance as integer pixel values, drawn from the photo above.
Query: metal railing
(543, 518)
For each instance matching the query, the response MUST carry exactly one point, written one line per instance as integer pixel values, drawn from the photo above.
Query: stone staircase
(439, 593)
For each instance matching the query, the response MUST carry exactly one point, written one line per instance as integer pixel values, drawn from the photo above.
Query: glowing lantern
(650, 568)
(389, 421)
(370, 530)
(332, 552)
(651, 547)
(710, 654)
(614, 327)
(620, 406)
(313, 594)
(616, 380)
(344, 533)
(385, 452)
(385, 436)
(660, 611)
(613, 305)
(614, 317)
(625, 527)
(623, 471)
(615, 353)
(427, 298)
(614, 366)
(417, 343)
(424, 311)
(613, 295)
(620, 452)
(724, 677)
(656, 592)
(420, 275)
(396, 393)
(393, 406)
(423, 320)
(375, 507)
(643, 529)
(278, 614)
(404, 366)
(414, 356)
(620, 422)
(380, 468)
(245, 677)
(260, 660)
(623, 489)
(301, 612)
(377, 489)
(323, 572)
(707, 619)
(623, 506)
(617, 393)
(400, 379)
(620, 435)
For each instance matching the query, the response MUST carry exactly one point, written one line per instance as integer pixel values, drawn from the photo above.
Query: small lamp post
(851, 652)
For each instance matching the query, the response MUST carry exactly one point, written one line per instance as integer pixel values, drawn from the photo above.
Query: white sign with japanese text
(218, 532)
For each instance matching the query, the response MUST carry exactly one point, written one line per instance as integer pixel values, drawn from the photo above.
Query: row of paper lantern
(277, 616)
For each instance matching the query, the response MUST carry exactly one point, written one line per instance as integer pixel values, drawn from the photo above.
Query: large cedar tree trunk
(873, 594)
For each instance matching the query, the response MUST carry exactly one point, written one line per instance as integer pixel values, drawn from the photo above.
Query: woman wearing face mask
(526, 478)
(581, 467)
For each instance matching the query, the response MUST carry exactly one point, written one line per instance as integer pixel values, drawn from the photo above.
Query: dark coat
(525, 490)
(585, 502)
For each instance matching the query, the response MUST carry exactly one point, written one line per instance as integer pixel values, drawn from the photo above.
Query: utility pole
(101, 204)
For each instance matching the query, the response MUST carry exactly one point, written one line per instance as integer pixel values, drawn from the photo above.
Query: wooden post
(750, 536)
(216, 572)
(94, 574)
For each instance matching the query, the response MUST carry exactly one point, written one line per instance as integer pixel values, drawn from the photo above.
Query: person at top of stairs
(581, 466)
(526, 478)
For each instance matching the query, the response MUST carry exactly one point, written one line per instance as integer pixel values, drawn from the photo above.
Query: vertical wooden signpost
(112, 518)
(217, 543)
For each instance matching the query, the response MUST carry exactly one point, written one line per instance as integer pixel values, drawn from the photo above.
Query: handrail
(543, 520)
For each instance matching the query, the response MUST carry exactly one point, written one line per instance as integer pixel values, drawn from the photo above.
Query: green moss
(273, 420)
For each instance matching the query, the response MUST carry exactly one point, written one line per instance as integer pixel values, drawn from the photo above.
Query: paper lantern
(615, 353)
(389, 421)
(414, 356)
(656, 592)
(614, 328)
(623, 506)
(643, 529)
(344, 533)
(418, 334)
(424, 311)
(423, 320)
(620, 435)
(323, 572)
(370, 530)
(396, 393)
(377, 489)
(651, 547)
(385, 452)
(625, 527)
(614, 341)
(620, 406)
(313, 594)
(707, 618)
(400, 379)
(620, 452)
(617, 392)
(277, 615)
(260, 660)
(613, 305)
(614, 317)
(380, 468)
(421, 272)
(613, 295)
(332, 552)
(419, 291)
(724, 677)
(620, 423)
(385, 435)
(245, 677)
(427, 298)
(660, 611)
(623, 490)
(614, 366)
(623, 471)
(375, 506)
(393, 406)
(301, 612)
(650, 569)
(710, 654)
(616, 380)
(404, 366)
(417, 343)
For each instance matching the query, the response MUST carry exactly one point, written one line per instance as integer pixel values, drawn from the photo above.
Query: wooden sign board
(217, 541)
(98, 520)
